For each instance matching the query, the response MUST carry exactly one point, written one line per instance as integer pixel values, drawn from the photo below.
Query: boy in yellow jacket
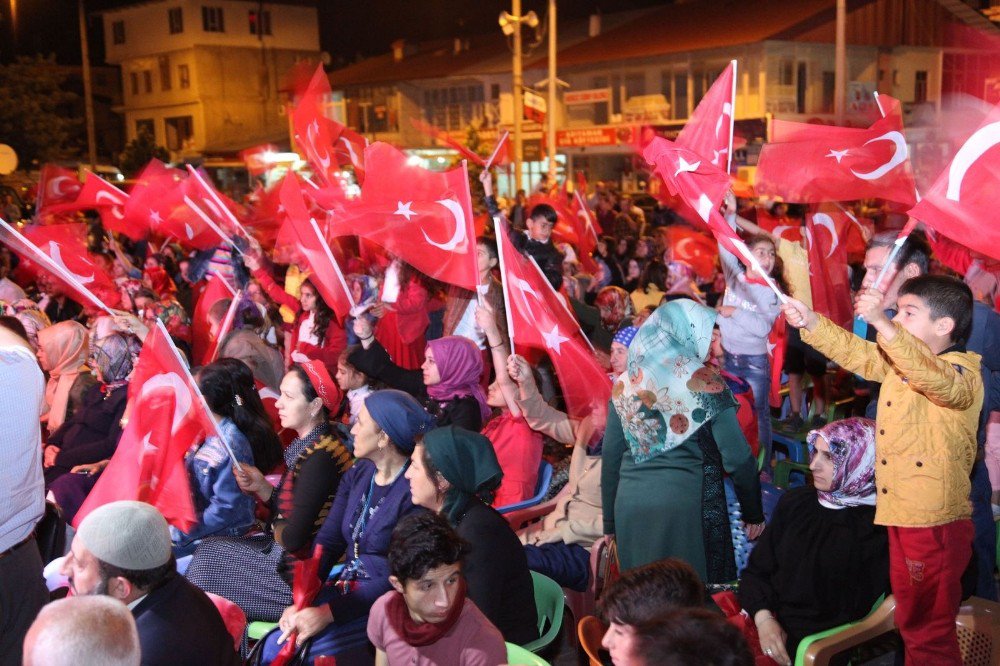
(925, 445)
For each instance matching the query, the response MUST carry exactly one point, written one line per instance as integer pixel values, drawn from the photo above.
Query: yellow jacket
(928, 413)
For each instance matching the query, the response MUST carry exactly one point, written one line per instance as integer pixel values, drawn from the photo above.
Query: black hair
(916, 250)
(655, 272)
(490, 243)
(692, 637)
(323, 314)
(229, 390)
(14, 325)
(145, 293)
(643, 593)
(308, 390)
(778, 272)
(545, 211)
(423, 541)
(946, 297)
(143, 579)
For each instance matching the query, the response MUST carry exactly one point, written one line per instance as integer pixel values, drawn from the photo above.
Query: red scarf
(419, 634)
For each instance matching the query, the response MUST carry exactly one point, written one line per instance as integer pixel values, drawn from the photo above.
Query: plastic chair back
(742, 547)
(518, 656)
(541, 488)
(978, 625)
(590, 630)
(549, 605)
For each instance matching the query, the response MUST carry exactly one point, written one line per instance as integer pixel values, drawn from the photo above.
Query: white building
(205, 76)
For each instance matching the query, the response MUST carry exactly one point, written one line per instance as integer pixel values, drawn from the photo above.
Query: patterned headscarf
(615, 305)
(625, 335)
(460, 364)
(852, 447)
(115, 357)
(668, 392)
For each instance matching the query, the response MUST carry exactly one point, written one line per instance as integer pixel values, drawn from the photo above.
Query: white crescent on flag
(458, 238)
(55, 189)
(114, 203)
(55, 253)
(324, 158)
(981, 140)
(182, 395)
(898, 156)
(824, 220)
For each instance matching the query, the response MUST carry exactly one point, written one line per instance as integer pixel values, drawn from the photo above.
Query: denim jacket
(222, 509)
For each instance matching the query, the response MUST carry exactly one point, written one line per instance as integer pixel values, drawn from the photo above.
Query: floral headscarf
(115, 356)
(852, 447)
(668, 392)
(615, 305)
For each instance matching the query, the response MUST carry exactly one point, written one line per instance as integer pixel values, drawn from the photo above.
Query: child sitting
(925, 445)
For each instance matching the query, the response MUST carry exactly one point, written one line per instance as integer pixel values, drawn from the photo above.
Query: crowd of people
(381, 446)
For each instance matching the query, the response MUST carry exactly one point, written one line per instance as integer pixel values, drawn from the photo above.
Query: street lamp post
(88, 91)
(550, 143)
(511, 26)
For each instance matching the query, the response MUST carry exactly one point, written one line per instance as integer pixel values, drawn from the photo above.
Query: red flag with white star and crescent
(538, 318)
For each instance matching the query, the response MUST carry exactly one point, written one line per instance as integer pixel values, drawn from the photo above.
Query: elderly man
(122, 550)
(83, 631)
(22, 493)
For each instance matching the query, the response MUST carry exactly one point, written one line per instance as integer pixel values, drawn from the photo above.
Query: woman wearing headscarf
(821, 561)
(91, 434)
(447, 385)
(315, 463)
(455, 472)
(372, 497)
(62, 352)
(671, 432)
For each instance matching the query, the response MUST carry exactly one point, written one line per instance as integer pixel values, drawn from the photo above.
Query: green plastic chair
(783, 469)
(800, 653)
(518, 656)
(549, 605)
(257, 630)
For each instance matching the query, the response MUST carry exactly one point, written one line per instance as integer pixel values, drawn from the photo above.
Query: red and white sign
(587, 96)
(587, 136)
(534, 106)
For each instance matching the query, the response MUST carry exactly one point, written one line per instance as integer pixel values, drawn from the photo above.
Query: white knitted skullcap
(128, 535)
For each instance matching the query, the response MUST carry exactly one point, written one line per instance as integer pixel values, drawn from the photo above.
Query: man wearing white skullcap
(123, 550)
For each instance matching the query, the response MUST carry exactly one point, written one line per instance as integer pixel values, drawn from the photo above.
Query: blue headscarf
(400, 416)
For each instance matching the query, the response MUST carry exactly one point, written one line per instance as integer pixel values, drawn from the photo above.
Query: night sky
(347, 29)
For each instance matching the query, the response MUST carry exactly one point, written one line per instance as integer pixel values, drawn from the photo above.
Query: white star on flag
(718, 153)
(770, 348)
(837, 154)
(404, 210)
(281, 208)
(154, 217)
(553, 339)
(687, 167)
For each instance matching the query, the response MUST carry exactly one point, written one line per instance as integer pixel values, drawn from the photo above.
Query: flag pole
(333, 261)
(227, 323)
(225, 282)
(498, 225)
(472, 255)
(50, 265)
(197, 391)
(496, 151)
(228, 214)
(732, 122)
(211, 225)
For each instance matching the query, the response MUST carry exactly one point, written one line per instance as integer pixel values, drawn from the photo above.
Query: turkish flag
(159, 203)
(61, 251)
(961, 204)
(709, 130)
(167, 416)
(56, 185)
(829, 279)
(442, 136)
(695, 248)
(203, 341)
(223, 211)
(326, 143)
(777, 340)
(306, 585)
(538, 318)
(424, 217)
(310, 244)
(818, 163)
(110, 202)
(586, 232)
(784, 227)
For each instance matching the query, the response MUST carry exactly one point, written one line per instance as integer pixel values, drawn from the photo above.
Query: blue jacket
(222, 509)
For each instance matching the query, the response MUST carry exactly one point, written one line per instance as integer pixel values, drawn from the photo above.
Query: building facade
(650, 68)
(204, 77)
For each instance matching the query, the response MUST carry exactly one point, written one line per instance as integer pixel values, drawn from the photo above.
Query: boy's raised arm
(843, 347)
